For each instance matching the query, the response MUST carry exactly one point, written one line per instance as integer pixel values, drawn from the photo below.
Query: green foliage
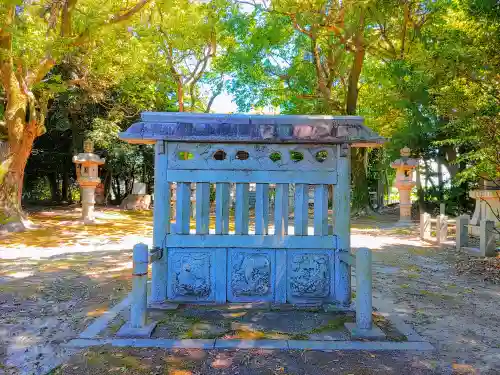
(429, 76)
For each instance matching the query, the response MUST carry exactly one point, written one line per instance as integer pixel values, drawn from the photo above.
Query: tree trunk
(13, 157)
(360, 197)
(117, 190)
(440, 178)
(380, 189)
(66, 196)
(388, 187)
(54, 187)
(107, 186)
(420, 192)
(23, 122)
(180, 94)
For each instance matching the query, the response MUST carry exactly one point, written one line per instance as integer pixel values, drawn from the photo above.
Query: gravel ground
(44, 302)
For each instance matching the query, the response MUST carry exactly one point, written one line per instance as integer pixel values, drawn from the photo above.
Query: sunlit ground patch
(64, 228)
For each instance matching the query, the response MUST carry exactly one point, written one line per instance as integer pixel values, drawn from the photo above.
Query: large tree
(34, 38)
(186, 41)
(308, 57)
(440, 96)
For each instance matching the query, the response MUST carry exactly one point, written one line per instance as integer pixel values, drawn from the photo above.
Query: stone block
(127, 330)
(487, 242)
(136, 202)
(462, 236)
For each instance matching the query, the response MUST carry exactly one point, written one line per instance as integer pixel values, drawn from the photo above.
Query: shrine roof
(227, 128)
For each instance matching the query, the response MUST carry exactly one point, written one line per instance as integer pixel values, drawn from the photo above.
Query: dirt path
(46, 301)
(458, 314)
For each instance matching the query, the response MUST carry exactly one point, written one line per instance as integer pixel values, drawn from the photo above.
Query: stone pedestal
(88, 202)
(404, 183)
(87, 164)
(404, 204)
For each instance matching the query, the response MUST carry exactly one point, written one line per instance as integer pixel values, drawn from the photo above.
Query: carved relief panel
(250, 275)
(309, 275)
(191, 275)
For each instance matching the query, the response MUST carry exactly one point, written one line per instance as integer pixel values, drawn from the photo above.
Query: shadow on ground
(59, 228)
(107, 360)
(45, 302)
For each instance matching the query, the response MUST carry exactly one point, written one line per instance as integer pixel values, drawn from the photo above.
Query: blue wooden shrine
(283, 251)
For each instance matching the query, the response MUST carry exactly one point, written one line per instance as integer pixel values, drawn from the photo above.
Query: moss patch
(390, 331)
(334, 324)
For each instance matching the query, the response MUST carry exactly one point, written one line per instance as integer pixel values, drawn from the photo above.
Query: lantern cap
(405, 151)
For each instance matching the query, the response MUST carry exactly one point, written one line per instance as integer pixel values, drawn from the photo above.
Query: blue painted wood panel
(278, 177)
(270, 241)
(204, 265)
(262, 209)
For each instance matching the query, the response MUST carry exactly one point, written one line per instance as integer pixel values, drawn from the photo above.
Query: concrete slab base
(332, 307)
(146, 331)
(139, 338)
(373, 334)
(163, 306)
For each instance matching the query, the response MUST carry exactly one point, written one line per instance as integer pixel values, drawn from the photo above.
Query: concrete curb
(252, 344)
(102, 322)
(88, 338)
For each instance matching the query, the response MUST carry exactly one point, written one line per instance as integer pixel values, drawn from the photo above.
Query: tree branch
(66, 15)
(212, 98)
(117, 18)
(36, 75)
(6, 61)
(297, 27)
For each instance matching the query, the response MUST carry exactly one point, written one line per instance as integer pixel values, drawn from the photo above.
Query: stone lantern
(487, 205)
(404, 183)
(87, 164)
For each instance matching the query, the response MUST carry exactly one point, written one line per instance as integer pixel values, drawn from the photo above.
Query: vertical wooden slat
(301, 209)
(261, 208)
(342, 212)
(321, 210)
(222, 208)
(161, 226)
(202, 207)
(281, 210)
(241, 211)
(183, 213)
